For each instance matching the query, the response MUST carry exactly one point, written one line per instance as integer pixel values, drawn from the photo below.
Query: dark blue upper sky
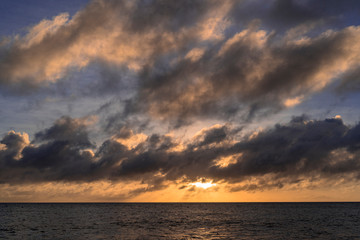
(17, 15)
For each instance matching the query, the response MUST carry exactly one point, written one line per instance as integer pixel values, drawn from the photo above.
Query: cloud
(12, 145)
(190, 60)
(105, 30)
(350, 81)
(300, 151)
(57, 153)
(284, 14)
(250, 73)
(66, 129)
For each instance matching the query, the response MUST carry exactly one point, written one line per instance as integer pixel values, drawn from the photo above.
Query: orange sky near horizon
(114, 192)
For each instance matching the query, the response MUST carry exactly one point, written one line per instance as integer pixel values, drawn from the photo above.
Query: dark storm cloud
(291, 13)
(214, 135)
(171, 16)
(350, 82)
(58, 155)
(301, 150)
(276, 14)
(67, 130)
(281, 15)
(302, 147)
(15, 143)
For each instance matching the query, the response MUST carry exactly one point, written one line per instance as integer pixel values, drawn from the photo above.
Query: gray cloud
(295, 152)
(350, 82)
(192, 59)
(67, 130)
(284, 14)
(250, 73)
(118, 32)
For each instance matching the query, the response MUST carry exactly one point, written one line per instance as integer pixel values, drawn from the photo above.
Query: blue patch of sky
(80, 93)
(18, 15)
(328, 103)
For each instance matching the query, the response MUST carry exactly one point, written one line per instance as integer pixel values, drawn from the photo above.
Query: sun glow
(204, 185)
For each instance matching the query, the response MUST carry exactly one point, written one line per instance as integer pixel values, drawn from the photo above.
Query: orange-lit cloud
(213, 160)
(54, 47)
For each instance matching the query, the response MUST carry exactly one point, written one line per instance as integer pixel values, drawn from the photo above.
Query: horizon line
(175, 202)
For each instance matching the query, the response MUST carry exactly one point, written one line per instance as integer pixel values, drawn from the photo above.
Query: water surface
(180, 221)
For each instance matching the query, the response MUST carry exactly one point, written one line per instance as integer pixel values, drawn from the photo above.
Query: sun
(204, 185)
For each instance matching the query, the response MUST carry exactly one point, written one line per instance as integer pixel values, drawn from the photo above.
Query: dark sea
(180, 221)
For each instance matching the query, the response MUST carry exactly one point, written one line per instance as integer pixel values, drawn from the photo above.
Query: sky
(179, 101)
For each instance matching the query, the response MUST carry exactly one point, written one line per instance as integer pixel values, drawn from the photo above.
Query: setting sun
(204, 185)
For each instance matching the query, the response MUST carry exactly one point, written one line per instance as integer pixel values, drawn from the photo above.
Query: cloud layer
(194, 59)
(173, 63)
(301, 150)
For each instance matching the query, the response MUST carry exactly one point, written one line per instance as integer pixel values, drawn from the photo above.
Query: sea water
(180, 221)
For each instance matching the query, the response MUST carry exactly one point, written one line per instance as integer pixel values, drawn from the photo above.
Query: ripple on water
(180, 221)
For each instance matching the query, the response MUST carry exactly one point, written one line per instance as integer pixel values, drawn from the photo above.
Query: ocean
(179, 221)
